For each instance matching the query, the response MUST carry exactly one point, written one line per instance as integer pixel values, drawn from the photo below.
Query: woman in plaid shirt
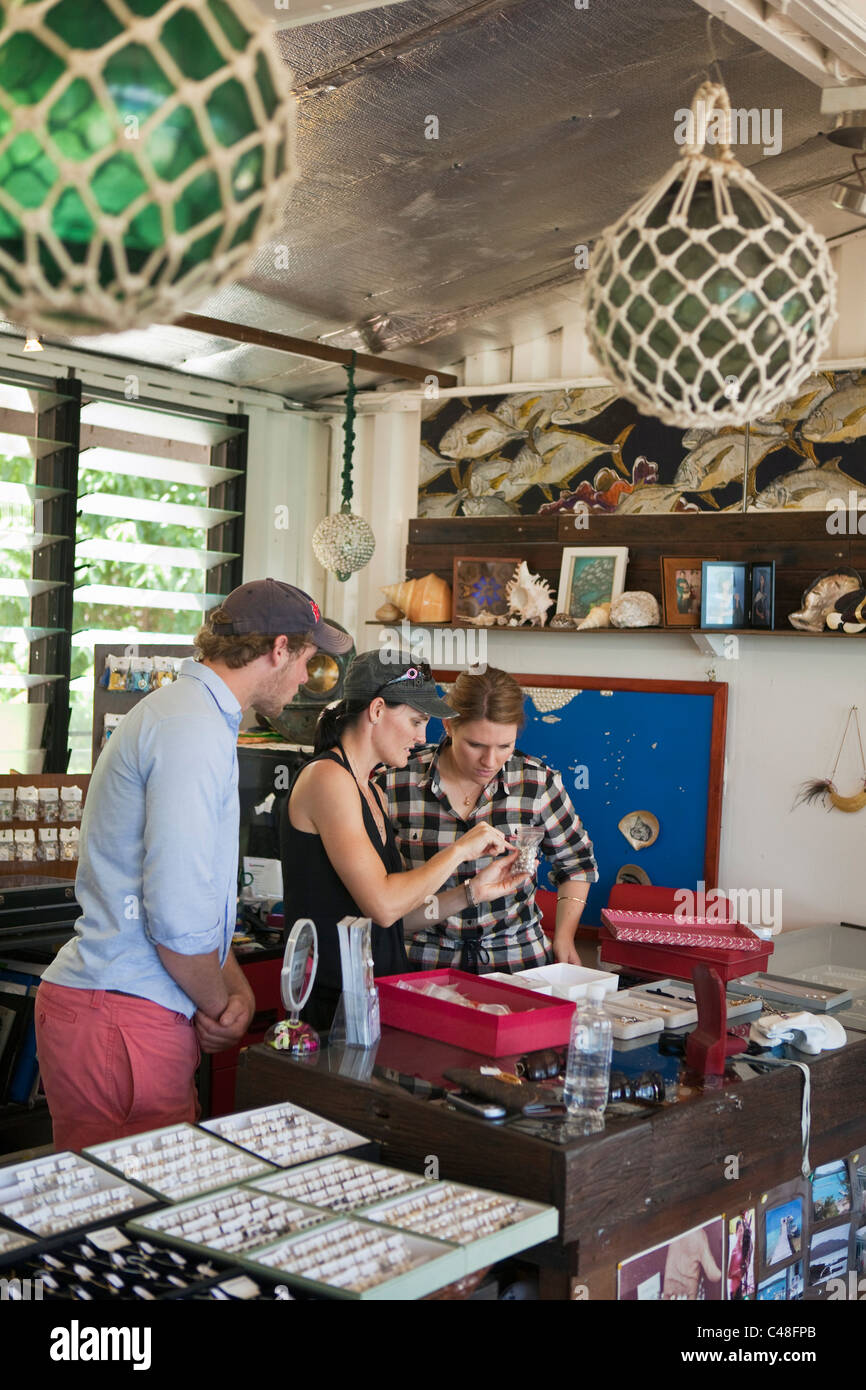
(474, 775)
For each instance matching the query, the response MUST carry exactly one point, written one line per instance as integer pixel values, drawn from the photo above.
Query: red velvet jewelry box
(535, 1020)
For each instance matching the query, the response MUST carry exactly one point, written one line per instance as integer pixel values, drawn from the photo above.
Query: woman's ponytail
(333, 722)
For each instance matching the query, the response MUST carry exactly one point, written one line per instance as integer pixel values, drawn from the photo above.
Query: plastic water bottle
(587, 1074)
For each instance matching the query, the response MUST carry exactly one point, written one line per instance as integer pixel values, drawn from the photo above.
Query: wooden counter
(649, 1176)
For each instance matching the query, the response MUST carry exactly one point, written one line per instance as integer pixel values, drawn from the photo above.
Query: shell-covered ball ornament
(710, 300)
(343, 543)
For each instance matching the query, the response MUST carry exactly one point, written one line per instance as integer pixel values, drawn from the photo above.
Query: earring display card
(356, 1259)
(179, 1161)
(285, 1134)
(340, 1184)
(232, 1220)
(108, 1264)
(62, 1192)
(489, 1225)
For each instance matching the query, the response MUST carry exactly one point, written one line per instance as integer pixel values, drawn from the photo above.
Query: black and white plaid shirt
(508, 931)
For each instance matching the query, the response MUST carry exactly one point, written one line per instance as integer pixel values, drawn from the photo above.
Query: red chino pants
(112, 1064)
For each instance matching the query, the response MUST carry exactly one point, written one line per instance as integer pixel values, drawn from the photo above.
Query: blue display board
(623, 750)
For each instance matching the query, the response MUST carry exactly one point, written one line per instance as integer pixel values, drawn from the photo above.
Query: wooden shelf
(631, 631)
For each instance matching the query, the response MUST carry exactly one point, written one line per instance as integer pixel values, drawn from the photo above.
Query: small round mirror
(297, 978)
(296, 981)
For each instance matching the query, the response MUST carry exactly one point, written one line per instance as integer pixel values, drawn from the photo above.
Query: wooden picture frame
(478, 586)
(678, 571)
(600, 584)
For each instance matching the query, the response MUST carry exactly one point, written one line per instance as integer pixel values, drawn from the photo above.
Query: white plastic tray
(567, 981)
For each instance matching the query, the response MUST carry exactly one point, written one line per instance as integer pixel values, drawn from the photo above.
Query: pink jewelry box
(535, 1020)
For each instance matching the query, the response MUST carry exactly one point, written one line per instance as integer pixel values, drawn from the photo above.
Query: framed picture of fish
(480, 587)
(589, 576)
(724, 594)
(762, 584)
(681, 590)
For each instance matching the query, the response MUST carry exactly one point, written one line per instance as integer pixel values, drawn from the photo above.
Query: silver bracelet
(470, 898)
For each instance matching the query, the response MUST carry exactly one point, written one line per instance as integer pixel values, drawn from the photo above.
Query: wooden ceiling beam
(302, 347)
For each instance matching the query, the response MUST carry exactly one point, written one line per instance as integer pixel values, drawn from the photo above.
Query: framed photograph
(688, 1267)
(831, 1191)
(829, 1254)
(762, 586)
(783, 1231)
(741, 1255)
(590, 575)
(479, 587)
(681, 591)
(724, 594)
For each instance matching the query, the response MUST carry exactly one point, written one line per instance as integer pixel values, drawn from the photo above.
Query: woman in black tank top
(339, 853)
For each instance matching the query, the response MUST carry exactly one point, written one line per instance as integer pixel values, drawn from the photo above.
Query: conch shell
(426, 600)
(821, 596)
(388, 613)
(529, 596)
(598, 616)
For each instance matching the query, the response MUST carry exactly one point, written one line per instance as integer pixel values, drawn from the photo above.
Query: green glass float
(146, 151)
(710, 300)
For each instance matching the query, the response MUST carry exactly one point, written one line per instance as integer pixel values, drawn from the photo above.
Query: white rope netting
(146, 152)
(710, 300)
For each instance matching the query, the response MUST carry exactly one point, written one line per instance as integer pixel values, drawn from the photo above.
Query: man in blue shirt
(149, 980)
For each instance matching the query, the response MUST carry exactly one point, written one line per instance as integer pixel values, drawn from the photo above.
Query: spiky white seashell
(529, 596)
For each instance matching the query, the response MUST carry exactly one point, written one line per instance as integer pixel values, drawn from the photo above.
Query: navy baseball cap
(268, 607)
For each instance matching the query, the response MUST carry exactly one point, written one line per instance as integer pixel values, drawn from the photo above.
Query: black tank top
(312, 888)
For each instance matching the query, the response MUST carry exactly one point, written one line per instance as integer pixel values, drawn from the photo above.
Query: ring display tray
(806, 993)
(64, 1192)
(351, 1258)
(11, 1241)
(179, 1161)
(340, 1184)
(285, 1134)
(232, 1221)
(110, 1264)
(488, 1226)
(737, 1008)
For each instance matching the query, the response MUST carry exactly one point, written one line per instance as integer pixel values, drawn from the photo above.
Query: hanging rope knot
(349, 437)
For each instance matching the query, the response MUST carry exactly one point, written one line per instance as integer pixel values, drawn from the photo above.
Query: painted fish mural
(476, 434)
(566, 449)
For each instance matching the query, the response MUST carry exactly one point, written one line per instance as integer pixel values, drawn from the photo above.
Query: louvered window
(157, 542)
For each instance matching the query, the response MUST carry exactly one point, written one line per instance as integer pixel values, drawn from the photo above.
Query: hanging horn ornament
(824, 789)
(344, 542)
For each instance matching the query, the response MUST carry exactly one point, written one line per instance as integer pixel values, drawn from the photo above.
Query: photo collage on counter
(805, 1239)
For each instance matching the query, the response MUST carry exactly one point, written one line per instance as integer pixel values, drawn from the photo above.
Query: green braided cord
(349, 445)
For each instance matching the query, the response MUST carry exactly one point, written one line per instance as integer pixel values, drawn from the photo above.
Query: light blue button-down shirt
(158, 859)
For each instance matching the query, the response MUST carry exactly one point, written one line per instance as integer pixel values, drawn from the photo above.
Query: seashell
(821, 596)
(529, 596)
(598, 616)
(848, 613)
(632, 873)
(562, 622)
(483, 619)
(635, 608)
(426, 600)
(640, 828)
(388, 613)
